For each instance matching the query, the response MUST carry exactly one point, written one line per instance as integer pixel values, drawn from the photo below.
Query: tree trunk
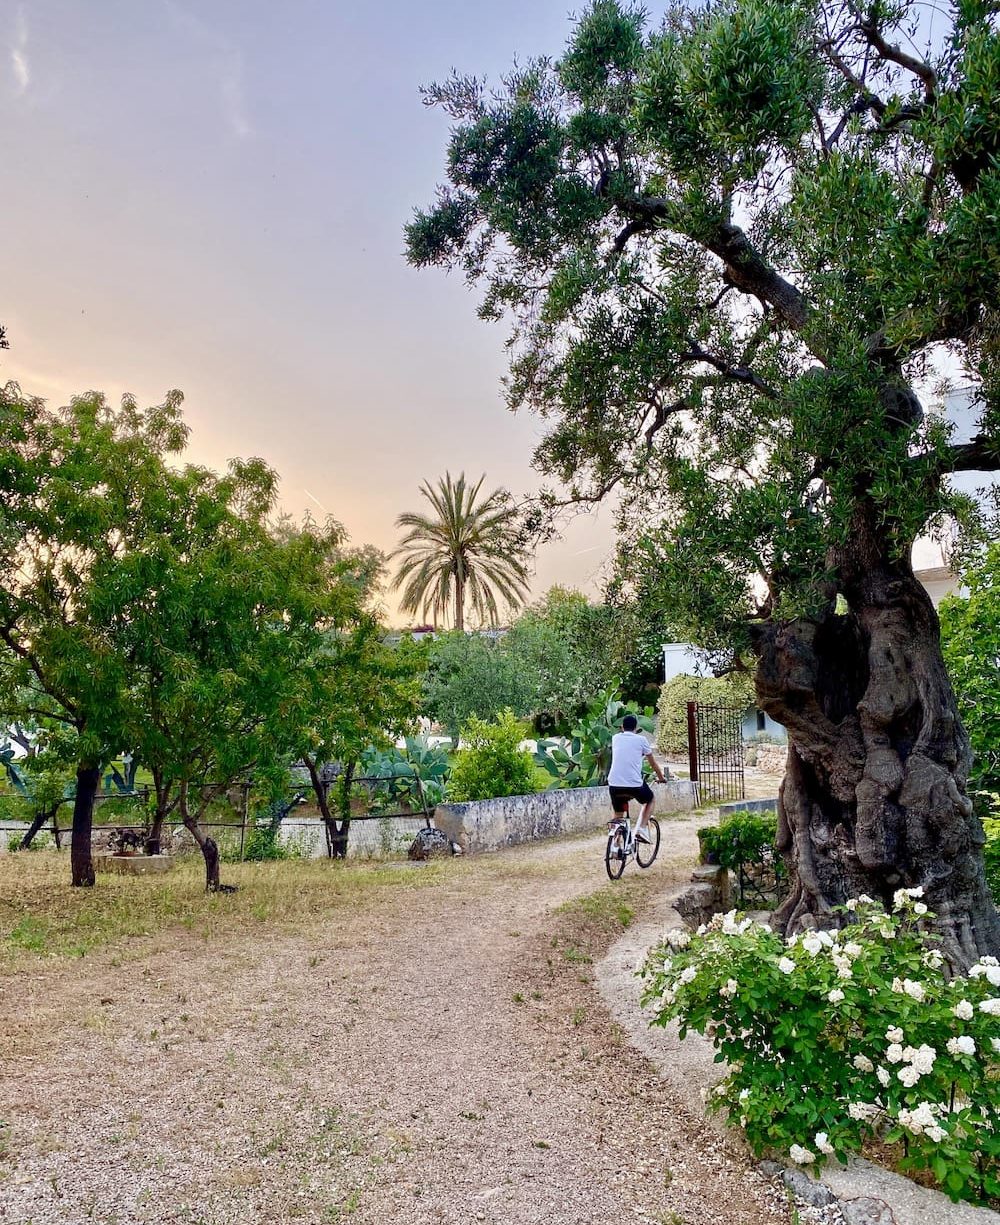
(209, 847)
(336, 835)
(164, 807)
(460, 599)
(41, 817)
(81, 860)
(874, 798)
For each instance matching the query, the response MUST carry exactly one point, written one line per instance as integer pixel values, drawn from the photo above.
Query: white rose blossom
(913, 989)
(963, 1010)
(822, 1142)
(729, 988)
(991, 1007)
(863, 1063)
(894, 1034)
(883, 1077)
(908, 1076)
(835, 996)
(688, 975)
(786, 965)
(895, 1053)
(962, 1045)
(800, 1155)
(853, 950)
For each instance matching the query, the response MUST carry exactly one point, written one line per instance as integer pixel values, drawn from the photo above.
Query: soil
(444, 1056)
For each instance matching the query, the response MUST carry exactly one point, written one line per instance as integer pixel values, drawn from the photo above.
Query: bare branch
(737, 374)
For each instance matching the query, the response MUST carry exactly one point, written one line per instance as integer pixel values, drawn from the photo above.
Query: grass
(40, 915)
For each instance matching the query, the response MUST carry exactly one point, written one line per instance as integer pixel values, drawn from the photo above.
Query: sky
(211, 196)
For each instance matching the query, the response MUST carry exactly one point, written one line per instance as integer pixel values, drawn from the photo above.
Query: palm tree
(465, 551)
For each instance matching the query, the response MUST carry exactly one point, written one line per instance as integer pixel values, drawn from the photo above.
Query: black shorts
(620, 796)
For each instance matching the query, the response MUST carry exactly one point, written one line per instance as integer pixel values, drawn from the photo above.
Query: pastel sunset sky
(210, 195)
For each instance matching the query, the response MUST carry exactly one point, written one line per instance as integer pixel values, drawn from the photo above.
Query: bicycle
(623, 844)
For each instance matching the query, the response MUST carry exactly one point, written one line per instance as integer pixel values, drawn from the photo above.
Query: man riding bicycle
(625, 782)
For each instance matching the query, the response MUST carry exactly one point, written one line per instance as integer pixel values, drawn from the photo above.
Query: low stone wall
(488, 825)
(726, 810)
(11, 829)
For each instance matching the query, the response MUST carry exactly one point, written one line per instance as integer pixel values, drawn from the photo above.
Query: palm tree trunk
(459, 598)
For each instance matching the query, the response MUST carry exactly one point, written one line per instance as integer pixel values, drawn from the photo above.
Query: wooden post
(693, 741)
(243, 823)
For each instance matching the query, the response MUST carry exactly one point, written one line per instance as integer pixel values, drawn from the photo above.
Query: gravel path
(431, 1059)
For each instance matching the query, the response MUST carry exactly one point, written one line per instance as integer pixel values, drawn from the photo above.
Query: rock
(770, 1169)
(867, 1211)
(429, 843)
(710, 893)
(807, 1189)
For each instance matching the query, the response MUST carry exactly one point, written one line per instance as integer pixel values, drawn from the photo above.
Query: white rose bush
(833, 1039)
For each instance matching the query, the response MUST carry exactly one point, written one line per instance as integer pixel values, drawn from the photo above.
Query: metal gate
(715, 752)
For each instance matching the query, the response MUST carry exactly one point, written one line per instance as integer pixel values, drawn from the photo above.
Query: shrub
(42, 841)
(492, 764)
(264, 844)
(744, 843)
(835, 1039)
(671, 709)
(991, 857)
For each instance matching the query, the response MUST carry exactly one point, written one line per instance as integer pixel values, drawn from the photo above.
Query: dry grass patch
(40, 914)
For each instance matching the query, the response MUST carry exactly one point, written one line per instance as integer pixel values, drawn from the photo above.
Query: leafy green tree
(729, 244)
(78, 492)
(562, 646)
(970, 632)
(464, 553)
(472, 675)
(352, 691)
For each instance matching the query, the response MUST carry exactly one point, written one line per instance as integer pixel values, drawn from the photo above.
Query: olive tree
(730, 244)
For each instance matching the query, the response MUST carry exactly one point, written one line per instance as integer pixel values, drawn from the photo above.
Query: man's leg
(645, 813)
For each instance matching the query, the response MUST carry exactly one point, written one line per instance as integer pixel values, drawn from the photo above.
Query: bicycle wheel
(614, 856)
(646, 852)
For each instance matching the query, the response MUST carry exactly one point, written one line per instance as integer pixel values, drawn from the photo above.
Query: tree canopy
(730, 244)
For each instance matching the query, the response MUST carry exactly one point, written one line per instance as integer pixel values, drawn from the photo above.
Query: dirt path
(432, 1058)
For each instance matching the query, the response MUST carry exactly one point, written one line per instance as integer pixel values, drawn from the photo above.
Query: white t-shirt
(627, 751)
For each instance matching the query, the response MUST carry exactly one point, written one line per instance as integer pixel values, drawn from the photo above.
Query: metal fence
(375, 829)
(715, 752)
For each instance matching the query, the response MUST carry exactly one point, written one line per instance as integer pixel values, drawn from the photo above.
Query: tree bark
(874, 798)
(459, 598)
(336, 835)
(41, 817)
(209, 847)
(81, 861)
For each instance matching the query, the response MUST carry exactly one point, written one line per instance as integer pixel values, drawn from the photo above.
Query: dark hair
(630, 723)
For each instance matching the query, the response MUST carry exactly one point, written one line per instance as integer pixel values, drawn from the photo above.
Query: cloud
(18, 54)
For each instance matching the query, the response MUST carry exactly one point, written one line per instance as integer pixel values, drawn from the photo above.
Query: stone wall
(488, 825)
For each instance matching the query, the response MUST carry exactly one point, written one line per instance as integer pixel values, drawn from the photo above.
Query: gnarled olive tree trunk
(874, 798)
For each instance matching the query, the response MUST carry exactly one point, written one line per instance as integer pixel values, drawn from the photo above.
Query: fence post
(243, 822)
(692, 708)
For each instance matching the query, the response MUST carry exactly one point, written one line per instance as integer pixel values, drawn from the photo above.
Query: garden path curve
(424, 1060)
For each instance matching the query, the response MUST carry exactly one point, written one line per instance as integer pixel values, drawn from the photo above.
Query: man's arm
(656, 767)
